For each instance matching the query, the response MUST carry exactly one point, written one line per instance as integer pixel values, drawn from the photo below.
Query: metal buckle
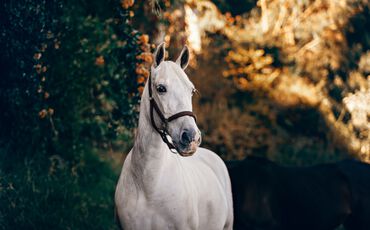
(168, 142)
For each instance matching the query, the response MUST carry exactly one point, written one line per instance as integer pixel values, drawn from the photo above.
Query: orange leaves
(146, 57)
(144, 39)
(46, 112)
(99, 61)
(43, 113)
(229, 18)
(127, 3)
(140, 70)
(145, 47)
(143, 74)
(141, 80)
(140, 89)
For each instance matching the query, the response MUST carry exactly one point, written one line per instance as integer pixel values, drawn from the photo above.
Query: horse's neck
(149, 152)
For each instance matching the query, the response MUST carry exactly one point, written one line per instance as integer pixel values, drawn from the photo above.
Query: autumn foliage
(298, 70)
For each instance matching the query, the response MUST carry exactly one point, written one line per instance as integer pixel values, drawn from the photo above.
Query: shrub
(69, 83)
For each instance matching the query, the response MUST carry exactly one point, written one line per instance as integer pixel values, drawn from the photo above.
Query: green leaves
(68, 87)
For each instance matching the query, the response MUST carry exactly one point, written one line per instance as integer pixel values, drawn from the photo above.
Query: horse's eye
(161, 88)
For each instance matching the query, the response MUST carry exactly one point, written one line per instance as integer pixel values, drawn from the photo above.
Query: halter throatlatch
(164, 132)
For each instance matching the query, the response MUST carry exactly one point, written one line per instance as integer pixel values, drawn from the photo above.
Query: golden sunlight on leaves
(251, 68)
(297, 54)
(358, 105)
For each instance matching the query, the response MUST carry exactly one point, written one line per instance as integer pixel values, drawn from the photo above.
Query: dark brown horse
(272, 197)
(358, 176)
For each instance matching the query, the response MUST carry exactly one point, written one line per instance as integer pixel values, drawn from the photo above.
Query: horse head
(170, 95)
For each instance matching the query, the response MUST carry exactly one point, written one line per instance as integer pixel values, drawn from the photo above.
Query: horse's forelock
(171, 70)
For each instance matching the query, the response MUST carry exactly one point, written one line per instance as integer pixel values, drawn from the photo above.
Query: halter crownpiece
(164, 132)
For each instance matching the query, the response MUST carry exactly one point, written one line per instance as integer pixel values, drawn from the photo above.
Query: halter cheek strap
(164, 132)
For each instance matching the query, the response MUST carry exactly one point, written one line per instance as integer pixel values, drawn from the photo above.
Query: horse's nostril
(186, 137)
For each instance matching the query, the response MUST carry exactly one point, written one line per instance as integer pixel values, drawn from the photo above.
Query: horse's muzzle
(189, 142)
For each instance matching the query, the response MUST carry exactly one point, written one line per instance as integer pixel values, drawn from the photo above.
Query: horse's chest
(157, 212)
(176, 202)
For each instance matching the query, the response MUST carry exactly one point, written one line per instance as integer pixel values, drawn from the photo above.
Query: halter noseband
(164, 132)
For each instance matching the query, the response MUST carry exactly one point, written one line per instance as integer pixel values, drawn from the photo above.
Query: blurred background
(284, 79)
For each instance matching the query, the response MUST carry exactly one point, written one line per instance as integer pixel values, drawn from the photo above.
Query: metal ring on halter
(163, 132)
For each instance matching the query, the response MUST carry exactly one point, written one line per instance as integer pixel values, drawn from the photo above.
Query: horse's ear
(183, 59)
(159, 54)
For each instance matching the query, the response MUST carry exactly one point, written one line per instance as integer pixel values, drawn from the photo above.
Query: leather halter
(164, 132)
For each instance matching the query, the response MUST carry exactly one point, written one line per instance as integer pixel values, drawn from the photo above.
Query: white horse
(167, 182)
